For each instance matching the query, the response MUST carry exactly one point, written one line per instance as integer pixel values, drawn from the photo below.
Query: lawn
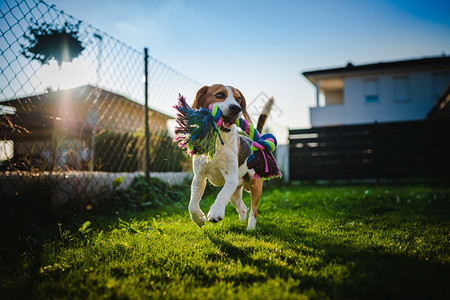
(388, 241)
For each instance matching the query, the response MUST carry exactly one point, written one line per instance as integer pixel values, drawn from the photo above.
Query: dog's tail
(264, 114)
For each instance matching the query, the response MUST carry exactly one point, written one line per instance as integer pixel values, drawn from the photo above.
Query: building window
(440, 82)
(371, 91)
(402, 91)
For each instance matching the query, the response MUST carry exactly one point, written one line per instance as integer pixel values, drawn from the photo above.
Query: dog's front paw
(199, 218)
(216, 213)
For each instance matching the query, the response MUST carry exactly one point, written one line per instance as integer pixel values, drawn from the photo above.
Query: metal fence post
(147, 130)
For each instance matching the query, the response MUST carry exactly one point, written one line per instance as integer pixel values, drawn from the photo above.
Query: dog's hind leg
(236, 200)
(255, 192)
(197, 189)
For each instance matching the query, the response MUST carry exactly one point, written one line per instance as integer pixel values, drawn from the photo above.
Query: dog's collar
(224, 129)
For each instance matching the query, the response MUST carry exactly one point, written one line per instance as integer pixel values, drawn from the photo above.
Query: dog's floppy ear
(200, 98)
(243, 105)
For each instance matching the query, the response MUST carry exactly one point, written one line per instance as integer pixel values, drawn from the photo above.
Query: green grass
(311, 241)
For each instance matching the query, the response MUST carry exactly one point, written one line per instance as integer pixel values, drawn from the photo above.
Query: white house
(403, 90)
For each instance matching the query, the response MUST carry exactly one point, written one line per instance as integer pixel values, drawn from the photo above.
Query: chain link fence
(72, 106)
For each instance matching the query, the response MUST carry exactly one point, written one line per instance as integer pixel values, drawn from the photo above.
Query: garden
(312, 241)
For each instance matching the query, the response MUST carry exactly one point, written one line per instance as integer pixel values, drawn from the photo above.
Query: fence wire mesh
(72, 104)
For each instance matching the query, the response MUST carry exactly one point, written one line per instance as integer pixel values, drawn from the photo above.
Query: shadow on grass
(370, 272)
(244, 256)
(370, 269)
(20, 259)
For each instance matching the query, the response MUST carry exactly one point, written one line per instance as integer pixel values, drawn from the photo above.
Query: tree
(50, 41)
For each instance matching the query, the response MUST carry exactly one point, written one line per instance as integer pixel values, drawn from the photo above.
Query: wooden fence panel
(380, 150)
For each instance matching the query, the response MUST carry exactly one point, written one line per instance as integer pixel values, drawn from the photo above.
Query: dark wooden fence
(382, 150)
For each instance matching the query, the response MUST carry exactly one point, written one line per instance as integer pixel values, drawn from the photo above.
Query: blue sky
(264, 45)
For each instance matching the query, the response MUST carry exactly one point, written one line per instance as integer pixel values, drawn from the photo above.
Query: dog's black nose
(234, 108)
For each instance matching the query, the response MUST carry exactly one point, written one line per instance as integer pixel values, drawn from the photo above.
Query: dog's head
(229, 99)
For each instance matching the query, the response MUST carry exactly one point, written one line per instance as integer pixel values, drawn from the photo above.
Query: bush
(141, 195)
(124, 152)
(118, 151)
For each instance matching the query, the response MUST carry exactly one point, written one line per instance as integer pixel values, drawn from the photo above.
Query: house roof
(427, 62)
(441, 109)
(80, 93)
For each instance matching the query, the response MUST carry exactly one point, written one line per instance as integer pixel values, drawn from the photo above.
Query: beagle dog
(228, 167)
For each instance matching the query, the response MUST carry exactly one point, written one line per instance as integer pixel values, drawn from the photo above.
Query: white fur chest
(224, 163)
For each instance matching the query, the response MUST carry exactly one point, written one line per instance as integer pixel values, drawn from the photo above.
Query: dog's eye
(220, 95)
(238, 100)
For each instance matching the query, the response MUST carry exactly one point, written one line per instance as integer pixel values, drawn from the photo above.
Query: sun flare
(76, 73)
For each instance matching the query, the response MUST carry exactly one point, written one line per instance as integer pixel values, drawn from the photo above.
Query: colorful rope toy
(197, 131)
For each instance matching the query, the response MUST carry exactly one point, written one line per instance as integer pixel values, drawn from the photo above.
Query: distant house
(63, 128)
(392, 91)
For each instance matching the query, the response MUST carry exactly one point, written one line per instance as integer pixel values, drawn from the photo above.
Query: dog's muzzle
(228, 121)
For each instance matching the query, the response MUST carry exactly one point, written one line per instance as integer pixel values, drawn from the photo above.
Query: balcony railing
(327, 115)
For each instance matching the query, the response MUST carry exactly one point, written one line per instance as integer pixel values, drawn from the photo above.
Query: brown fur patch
(255, 192)
(207, 96)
